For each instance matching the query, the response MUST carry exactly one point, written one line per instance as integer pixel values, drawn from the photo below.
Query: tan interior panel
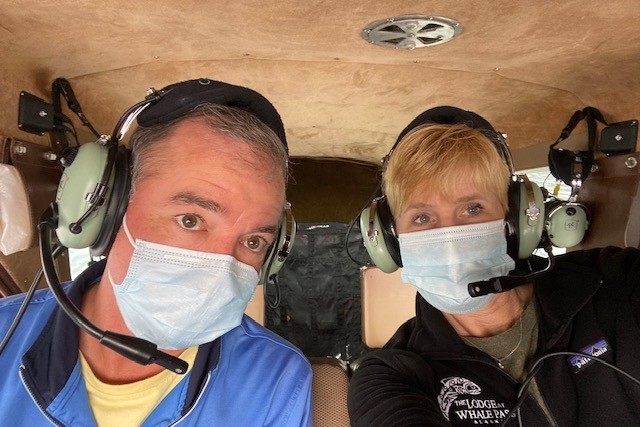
(525, 66)
(612, 195)
(387, 303)
(255, 308)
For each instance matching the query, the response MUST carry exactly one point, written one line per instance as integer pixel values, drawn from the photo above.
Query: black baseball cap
(180, 98)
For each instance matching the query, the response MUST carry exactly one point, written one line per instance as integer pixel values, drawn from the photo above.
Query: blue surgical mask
(441, 262)
(179, 298)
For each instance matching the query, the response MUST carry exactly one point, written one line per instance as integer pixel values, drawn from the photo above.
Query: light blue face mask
(441, 262)
(179, 298)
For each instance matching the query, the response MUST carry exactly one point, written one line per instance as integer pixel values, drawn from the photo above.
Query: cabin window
(79, 260)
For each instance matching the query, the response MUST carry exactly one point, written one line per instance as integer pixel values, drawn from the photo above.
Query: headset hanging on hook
(566, 222)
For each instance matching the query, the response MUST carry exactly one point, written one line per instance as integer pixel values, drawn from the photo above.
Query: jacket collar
(565, 291)
(51, 359)
(560, 295)
(54, 354)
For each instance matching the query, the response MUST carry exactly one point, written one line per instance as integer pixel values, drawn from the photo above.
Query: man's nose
(226, 245)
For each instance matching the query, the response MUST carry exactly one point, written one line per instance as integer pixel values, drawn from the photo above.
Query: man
(208, 191)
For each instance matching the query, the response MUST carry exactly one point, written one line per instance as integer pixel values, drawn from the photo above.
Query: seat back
(387, 303)
(255, 308)
(329, 392)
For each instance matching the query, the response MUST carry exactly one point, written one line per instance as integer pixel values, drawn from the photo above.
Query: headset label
(571, 225)
(597, 349)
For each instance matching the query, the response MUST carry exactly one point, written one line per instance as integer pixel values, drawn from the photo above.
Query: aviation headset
(525, 219)
(94, 190)
(567, 221)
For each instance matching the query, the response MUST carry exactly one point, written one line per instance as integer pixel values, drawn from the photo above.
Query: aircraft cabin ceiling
(525, 66)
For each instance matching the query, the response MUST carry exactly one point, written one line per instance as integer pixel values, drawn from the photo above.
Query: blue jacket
(247, 377)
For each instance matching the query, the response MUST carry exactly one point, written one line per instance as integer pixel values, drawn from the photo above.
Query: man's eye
(189, 221)
(256, 243)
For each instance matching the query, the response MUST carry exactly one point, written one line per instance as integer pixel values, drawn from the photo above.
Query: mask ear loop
(131, 240)
(128, 233)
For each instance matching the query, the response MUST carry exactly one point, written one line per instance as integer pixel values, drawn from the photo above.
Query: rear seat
(330, 378)
(387, 303)
(329, 392)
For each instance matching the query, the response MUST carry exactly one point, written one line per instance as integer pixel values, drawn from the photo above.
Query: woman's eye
(474, 210)
(422, 219)
(256, 243)
(189, 221)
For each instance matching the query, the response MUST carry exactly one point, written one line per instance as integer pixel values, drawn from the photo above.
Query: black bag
(619, 138)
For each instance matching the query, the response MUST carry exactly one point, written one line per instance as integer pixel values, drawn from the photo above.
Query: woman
(461, 360)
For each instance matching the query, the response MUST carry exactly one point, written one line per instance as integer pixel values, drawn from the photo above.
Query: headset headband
(574, 166)
(447, 115)
(180, 98)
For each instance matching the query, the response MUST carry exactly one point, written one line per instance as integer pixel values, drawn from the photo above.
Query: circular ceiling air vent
(411, 31)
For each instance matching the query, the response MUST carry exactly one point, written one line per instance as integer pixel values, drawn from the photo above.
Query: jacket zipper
(549, 417)
(204, 386)
(31, 394)
(55, 422)
(495, 364)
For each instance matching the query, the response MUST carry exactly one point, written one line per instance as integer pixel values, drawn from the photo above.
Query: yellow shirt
(130, 404)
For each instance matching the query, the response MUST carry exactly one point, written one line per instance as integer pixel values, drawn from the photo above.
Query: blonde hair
(440, 158)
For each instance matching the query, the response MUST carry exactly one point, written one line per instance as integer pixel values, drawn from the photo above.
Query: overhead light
(411, 31)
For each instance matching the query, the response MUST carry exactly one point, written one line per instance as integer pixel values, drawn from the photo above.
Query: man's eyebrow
(189, 198)
(270, 229)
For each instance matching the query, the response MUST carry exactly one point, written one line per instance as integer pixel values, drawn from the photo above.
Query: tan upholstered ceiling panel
(524, 66)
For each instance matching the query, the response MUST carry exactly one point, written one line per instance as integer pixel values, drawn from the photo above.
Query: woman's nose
(449, 221)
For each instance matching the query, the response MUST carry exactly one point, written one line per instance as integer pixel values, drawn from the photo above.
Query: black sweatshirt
(590, 302)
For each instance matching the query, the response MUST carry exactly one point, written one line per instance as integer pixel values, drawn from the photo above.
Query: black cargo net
(320, 309)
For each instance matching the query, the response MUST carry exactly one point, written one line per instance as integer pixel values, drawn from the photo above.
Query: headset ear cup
(566, 223)
(378, 235)
(79, 180)
(281, 247)
(116, 204)
(525, 220)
